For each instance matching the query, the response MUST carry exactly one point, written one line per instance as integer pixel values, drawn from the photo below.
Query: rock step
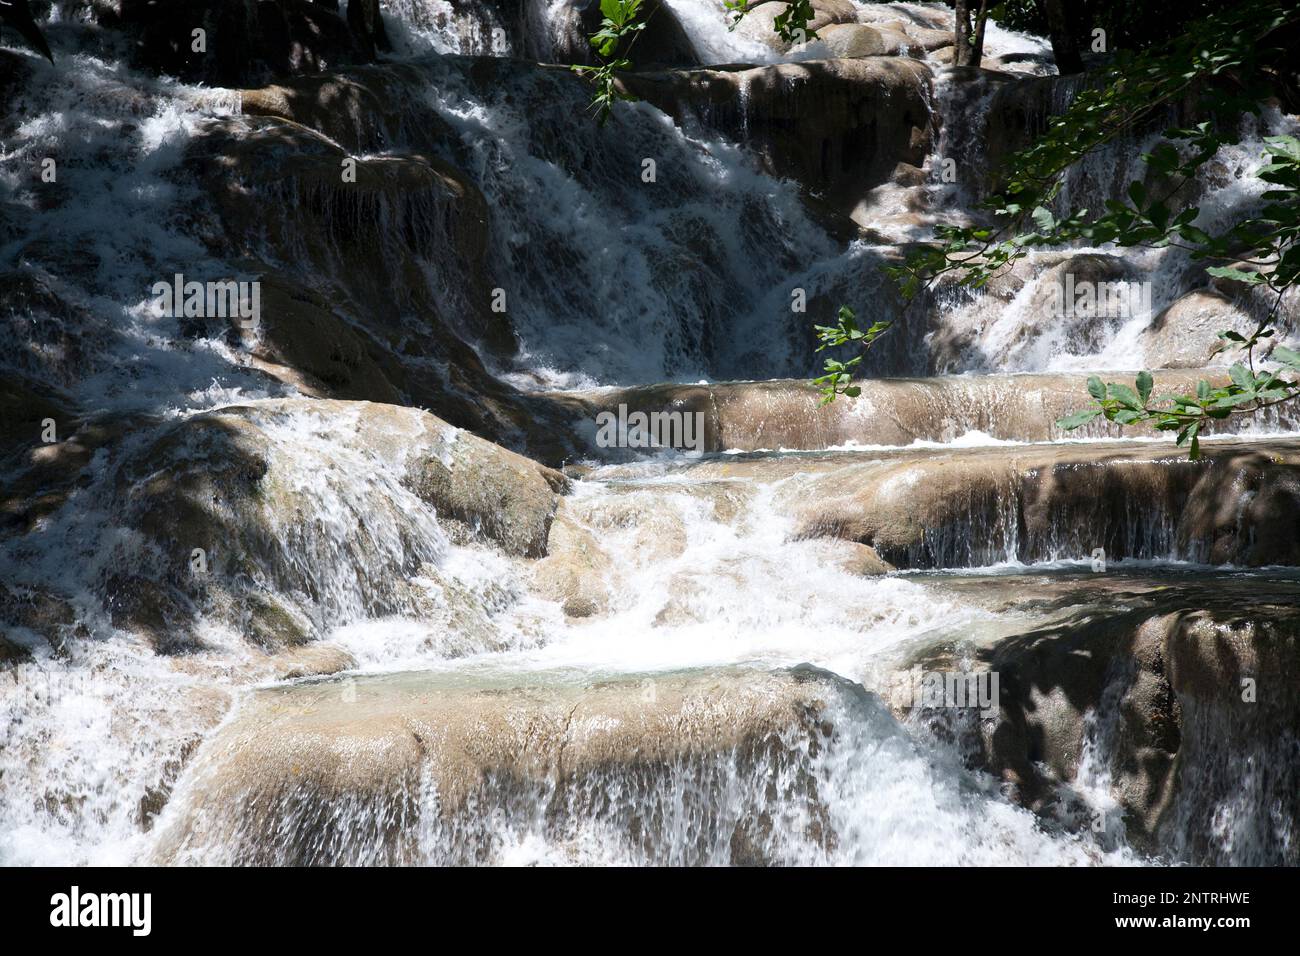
(1192, 683)
(440, 767)
(972, 507)
(788, 414)
(696, 766)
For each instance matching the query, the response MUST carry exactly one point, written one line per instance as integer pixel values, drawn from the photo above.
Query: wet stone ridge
(1181, 695)
(415, 767)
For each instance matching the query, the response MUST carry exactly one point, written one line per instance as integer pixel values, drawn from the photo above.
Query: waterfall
(291, 592)
(662, 294)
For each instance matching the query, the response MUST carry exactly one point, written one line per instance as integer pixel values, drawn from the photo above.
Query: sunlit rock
(248, 515)
(416, 767)
(1183, 702)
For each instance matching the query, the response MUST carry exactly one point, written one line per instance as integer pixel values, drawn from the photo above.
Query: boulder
(368, 109)
(1024, 319)
(847, 40)
(236, 516)
(503, 497)
(1182, 692)
(576, 572)
(930, 40)
(444, 769)
(662, 43)
(760, 22)
(1186, 334)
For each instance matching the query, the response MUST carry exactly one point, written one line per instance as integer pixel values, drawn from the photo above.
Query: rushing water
(109, 749)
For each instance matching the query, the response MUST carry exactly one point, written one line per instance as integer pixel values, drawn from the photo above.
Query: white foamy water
(117, 227)
(630, 249)
(888, 800)
(611, 280)
(701, 576)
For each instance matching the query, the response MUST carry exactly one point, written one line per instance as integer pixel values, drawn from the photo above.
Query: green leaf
(1096, 389)
(1144, 385)
(1071, 422)
(1236, 275)
(1125, 396)
(1287, 356)
(1231, 401)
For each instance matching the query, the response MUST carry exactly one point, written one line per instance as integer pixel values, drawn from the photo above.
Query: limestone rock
(1044, 318)
(1239, 504)
(576, 571)
(406, 239)
(838, 127)
(847, 40)
(245, 42)
(32, 616)
(1186, 334)
(283, 549)
(512, 743)
(760, 22)
(662, 43)
(65, 342)
(1173, 684)
(751, 416)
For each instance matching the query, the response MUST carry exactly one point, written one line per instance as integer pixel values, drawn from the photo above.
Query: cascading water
(664, 263)
(221, 579)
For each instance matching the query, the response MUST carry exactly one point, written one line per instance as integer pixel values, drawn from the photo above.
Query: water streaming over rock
(230, 566)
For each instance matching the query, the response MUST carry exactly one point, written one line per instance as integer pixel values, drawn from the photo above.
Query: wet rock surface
(241, 515)
(969, 507)
(822, 123)
(417, 758)
(459, 269)
(1124, 682)
(789, 415)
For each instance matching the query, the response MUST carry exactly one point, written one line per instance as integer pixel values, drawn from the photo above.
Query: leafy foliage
(1130, 94)
(1247, 391)
(1226, 61)
(1128, 25)
(619, 22)
(844, 332)
(792, 25)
